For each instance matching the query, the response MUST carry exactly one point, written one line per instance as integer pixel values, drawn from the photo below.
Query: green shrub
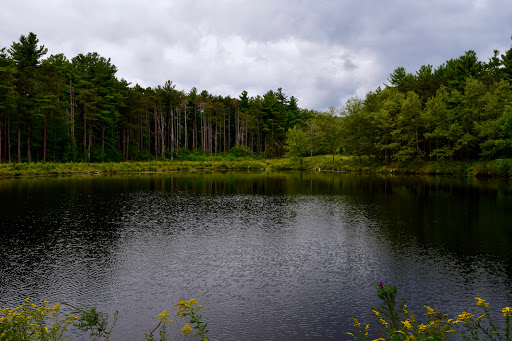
(398, 324)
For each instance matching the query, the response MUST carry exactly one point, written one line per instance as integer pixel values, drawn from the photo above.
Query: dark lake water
(272, 256)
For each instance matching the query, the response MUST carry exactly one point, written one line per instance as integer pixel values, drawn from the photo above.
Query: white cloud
(321, 51)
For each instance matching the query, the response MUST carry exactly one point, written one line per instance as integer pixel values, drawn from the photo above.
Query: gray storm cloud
(323, 52)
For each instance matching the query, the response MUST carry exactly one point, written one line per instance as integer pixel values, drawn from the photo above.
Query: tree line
(55, 109)
(461, 110)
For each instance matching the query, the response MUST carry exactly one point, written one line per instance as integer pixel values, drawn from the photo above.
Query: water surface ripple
(272, 256)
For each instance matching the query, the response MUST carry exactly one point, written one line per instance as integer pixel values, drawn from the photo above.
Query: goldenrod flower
(356, 323)
(163, 315)
(506, 312)
(350, 334)
(463, 318)
(481, 303)
(384, 323)
(411, 338)
(186, 330)
(430, 311)
(407, 324)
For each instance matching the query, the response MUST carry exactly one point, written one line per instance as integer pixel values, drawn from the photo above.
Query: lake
(271, 255)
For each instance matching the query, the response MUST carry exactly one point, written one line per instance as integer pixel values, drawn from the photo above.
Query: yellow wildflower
(186, 330)
(482, 303)
(422, 327)
(384, 323)
(380, 339)
(162, 316)
(356, 323)
(407, 324)
(463, 318)
(411, 338)
(506, 312)
(350, 334)
(430, 311)
(405, 310)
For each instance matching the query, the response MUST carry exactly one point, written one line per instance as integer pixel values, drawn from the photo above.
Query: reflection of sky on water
(296, 258)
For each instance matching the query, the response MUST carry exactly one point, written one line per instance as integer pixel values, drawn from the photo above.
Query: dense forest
(55, 109)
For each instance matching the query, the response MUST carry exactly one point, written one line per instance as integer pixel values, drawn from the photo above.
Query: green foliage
(94, 322)
(399, 324)
(188, 309)
(29, 321)
(241, 151)
(163, 320)
(76, 110)
(297, 143)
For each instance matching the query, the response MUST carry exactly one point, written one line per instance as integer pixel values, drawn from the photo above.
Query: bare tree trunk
(173, 147)
(45, 137)
(123, 142)
(216, 134)
(102, 142)
(19, 144)
(128, 133)
(29, 156)
(237, 128)
(9, 139)
(141, 137)
(148, 125)
(194, 137)
(90, 143)
(162, 131)
(203, 132)
(1, 140)
(85, 131)
(185, 124)
(229, 129)
(156, 135)
(72, 110)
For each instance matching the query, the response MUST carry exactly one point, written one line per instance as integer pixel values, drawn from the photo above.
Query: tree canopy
(57, 109)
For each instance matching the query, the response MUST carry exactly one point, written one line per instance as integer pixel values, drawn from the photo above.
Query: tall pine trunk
(19, 144)
(8, 140)
(90, 143)
(1, 140)
(102, 142)
(45, 137)
(29, 156)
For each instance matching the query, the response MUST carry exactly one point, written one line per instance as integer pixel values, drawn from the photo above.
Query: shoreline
(499, 168)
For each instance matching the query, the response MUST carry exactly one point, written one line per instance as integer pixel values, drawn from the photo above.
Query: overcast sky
(322, 52)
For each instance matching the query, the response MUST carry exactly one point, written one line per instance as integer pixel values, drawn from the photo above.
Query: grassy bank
(494, 168)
